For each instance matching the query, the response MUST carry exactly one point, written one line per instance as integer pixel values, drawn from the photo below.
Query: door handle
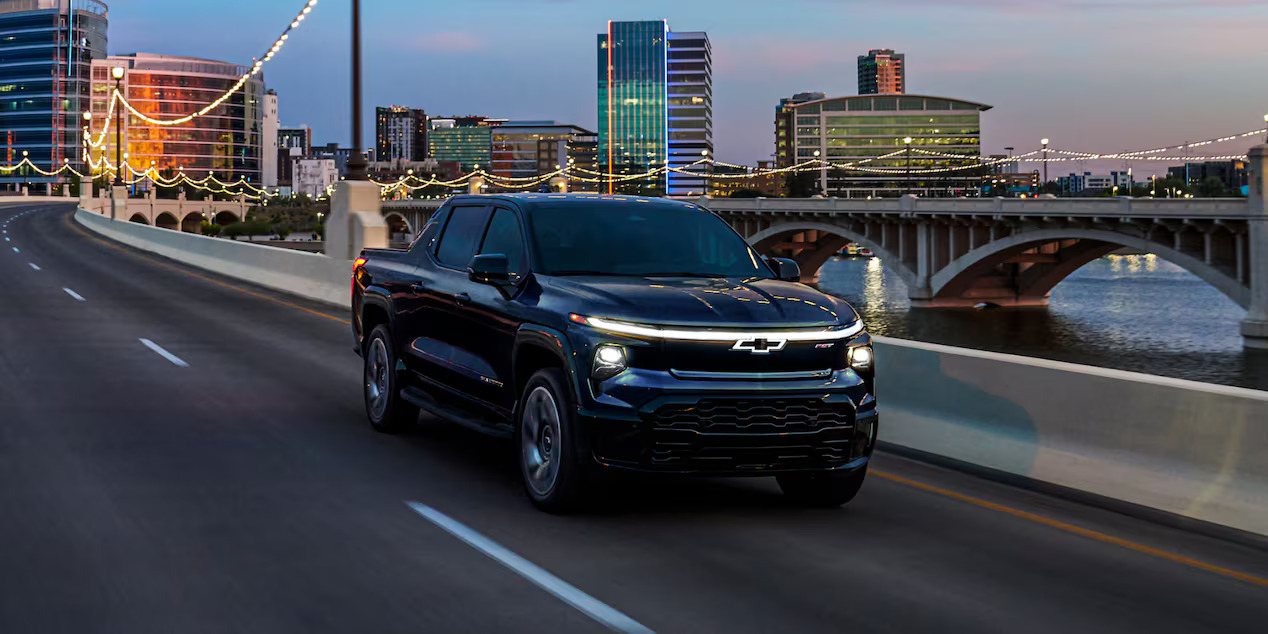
(462, 299)
(417, 287)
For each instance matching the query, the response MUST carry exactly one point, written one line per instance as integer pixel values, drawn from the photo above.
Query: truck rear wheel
(822, 489)
(552, 464)
(387, 411)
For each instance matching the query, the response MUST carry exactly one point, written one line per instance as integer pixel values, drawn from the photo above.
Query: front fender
(554, 342)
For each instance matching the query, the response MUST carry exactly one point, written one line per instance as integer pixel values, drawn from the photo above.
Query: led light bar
(655, 332)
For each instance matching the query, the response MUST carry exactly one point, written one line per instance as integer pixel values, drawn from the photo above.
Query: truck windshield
(637, 239)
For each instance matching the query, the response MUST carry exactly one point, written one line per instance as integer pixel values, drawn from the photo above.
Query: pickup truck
(616, 333)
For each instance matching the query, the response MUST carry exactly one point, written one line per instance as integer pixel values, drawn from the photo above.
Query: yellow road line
(84, 230)
(1077, 530)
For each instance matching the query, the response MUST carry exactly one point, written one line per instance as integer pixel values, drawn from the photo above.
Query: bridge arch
(166, 220)
(398, 223)
(139, 218)
(193, 222)
(1052, 255)
(818, 252)
(226, 217)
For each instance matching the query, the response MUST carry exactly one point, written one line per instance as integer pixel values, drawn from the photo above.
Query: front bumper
(654, 422)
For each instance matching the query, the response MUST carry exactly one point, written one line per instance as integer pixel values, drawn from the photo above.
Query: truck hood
(705, 302)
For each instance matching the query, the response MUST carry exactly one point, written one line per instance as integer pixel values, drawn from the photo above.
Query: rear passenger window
(504, 237)
(462, 233)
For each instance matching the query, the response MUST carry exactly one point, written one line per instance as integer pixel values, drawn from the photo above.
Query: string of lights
(117, 98)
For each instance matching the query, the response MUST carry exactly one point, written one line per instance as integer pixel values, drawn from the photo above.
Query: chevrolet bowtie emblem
(760, 345)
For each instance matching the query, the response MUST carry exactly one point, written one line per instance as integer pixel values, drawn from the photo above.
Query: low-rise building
(313, 176)
(728, 180)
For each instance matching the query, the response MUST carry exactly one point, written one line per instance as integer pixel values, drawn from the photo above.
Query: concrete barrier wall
(1192, 449)
(310, 275)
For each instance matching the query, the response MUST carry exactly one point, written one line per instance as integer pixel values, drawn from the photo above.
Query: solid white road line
(74, 294)
(562, 590)
(33, 266)
(176, 361)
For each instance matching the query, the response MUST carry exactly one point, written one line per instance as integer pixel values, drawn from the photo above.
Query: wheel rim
(541, 440)
(376, 379)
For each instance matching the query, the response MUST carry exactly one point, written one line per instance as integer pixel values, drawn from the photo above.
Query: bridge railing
(1122, 206)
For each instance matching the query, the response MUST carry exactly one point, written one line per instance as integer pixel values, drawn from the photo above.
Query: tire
(552, 463)
(824, 490)
(387, 411)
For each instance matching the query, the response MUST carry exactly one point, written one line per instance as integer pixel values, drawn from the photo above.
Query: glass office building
(47, 48)
(466, 145)
(526, 149)
(655, 106)
(226, 141)
(866, 128)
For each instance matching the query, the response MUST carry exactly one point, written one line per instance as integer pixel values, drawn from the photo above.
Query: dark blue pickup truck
(612, 332)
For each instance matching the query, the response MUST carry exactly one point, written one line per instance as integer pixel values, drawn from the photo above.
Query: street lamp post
(907, 141)
(356, 162)
(117, 73)
(1044, 184)
(88, 135)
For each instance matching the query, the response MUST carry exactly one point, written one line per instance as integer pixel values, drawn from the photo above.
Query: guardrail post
(119, 202)
(356, 220)
(1255, 326)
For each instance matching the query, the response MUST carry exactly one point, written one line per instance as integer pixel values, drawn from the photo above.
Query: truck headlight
(861, 358)
(609, 361)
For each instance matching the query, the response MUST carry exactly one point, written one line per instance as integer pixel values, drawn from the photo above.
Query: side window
(504, 237)
(462, 232)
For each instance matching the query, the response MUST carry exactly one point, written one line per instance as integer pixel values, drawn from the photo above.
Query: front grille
(748, 435)
(754, 416)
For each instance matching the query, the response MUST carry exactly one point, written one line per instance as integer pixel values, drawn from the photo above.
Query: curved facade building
(867, 127)
(47, 48)
(227, 141)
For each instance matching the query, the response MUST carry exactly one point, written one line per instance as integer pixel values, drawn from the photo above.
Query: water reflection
(1131, 312)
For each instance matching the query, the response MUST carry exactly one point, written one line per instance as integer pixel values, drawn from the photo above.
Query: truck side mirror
(490, 268)
(785, 269)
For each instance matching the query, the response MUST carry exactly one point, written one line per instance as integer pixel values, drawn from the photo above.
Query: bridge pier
(1255, 326)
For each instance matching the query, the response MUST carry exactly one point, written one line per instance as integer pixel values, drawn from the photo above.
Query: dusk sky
(1092, 75)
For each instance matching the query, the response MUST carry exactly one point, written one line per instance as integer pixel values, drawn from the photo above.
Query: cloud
(452, 42)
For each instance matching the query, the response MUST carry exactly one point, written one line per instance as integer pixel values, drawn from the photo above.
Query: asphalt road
(244, 492)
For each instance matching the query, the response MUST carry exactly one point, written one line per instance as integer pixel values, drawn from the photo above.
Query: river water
(1128, 312)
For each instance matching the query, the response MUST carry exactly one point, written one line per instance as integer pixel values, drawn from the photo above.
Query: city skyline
(1042, 83)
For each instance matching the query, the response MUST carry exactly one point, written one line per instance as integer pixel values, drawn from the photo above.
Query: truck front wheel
(551, 461)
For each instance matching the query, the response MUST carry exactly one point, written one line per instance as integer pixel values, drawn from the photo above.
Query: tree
(747, 193)
(1212, 187)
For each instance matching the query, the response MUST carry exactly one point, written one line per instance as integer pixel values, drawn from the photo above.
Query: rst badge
(760, 345)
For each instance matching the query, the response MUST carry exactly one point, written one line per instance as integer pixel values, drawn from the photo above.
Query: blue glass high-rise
(46, 53)
(655, 108)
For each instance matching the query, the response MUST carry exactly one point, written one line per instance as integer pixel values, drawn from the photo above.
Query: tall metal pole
(118, 133)
(1044, 185)
(908, 141)
(356, 162)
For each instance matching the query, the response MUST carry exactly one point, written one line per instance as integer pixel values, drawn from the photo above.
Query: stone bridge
(180, 214)
(1011, 252)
